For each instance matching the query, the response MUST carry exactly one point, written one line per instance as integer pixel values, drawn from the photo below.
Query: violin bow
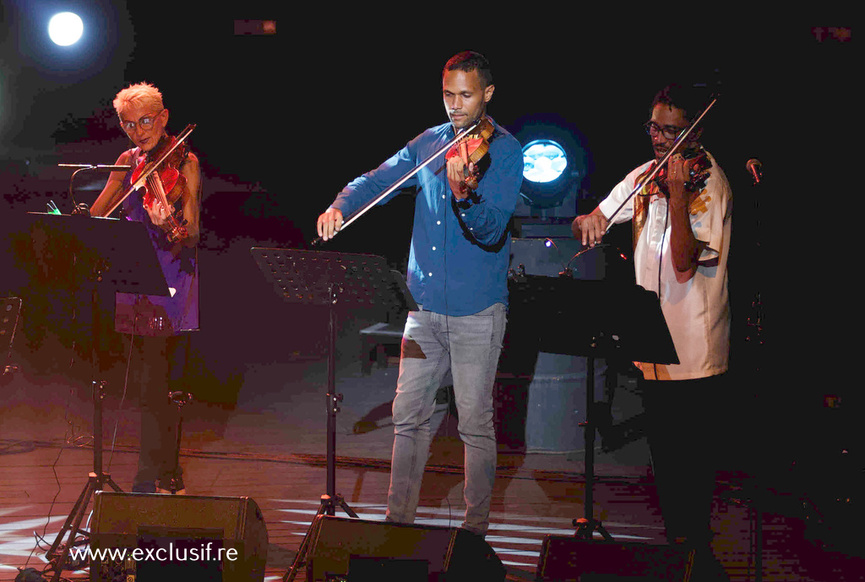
(151, 167)
(363, 210)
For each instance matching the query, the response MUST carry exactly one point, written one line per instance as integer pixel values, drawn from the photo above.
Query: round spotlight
(555, 162)
(65, 28)
(544, 160)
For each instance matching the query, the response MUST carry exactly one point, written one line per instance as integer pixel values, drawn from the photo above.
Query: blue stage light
(555, 165)
(544, 160)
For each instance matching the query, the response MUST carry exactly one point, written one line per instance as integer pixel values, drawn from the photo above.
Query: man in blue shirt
(457, 274)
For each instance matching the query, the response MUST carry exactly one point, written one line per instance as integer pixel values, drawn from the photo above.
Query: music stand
(595, 319)
(333, 280)
(107, 254)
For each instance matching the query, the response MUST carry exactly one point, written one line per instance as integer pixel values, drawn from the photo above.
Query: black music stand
(594, 319)
(106, 254)
(332, 280)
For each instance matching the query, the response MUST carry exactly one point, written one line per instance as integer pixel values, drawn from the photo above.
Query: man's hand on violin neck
(677, 175)
(457, 172)
(329, 223)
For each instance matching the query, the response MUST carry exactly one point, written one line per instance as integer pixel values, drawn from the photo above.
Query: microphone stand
(84, 167)
(755, 336)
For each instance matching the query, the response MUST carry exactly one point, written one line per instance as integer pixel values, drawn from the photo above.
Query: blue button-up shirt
(458, 259)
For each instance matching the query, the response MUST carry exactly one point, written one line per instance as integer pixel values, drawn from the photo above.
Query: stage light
(544, 160)
(65, 28)
(555, 164)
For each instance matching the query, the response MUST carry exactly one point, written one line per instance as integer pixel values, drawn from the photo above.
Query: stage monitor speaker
(572, 559)
(357, 550)
(177, 537)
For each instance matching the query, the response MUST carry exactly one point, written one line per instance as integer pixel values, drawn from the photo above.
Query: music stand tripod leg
(588, 525)
(330, 500)
(56, 556)
(327, 507)
(303, 550)
(96, 481)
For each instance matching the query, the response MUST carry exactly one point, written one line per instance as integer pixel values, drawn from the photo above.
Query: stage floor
(270, 446)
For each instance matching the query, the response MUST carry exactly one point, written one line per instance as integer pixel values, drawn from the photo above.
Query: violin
(472, 148)
(655, 169)
(697, 164)
(165, 184)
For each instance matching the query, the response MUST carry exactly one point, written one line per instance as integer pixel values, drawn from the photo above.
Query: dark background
(285, 120)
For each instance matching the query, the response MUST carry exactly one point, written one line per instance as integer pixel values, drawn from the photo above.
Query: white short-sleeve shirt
(697, 311)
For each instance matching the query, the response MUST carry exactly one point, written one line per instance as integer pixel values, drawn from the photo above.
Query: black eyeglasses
(144, 123)
(668, 131)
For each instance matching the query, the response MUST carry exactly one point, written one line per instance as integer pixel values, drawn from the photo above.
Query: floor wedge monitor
(572, 559)
(359, 550)
(177, 537)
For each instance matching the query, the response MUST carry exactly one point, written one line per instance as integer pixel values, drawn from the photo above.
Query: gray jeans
(468, 346)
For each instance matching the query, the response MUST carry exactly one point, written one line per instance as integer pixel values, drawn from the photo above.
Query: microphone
(755, 168)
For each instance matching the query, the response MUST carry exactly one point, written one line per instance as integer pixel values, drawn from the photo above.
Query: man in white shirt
(681, 235)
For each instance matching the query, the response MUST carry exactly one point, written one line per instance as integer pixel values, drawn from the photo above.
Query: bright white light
(65, 28)
(543, 160)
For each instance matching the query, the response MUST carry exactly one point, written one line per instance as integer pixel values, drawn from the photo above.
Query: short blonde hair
(143, 94)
